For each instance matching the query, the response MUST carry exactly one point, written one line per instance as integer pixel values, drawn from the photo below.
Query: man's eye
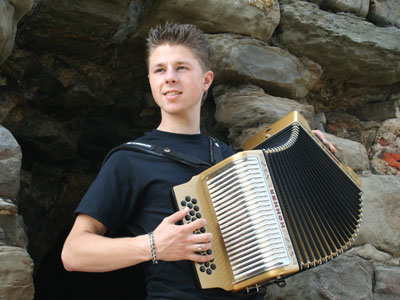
(181, 68)
(158, 70)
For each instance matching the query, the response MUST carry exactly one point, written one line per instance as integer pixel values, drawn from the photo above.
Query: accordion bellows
(285, 206)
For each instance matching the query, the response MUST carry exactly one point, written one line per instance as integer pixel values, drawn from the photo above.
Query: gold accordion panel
(284, 207)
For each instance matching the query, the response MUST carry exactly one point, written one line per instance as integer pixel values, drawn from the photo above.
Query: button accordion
(284, 206)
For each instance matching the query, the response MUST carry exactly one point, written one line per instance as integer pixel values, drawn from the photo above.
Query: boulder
(10, 164)
(348, 48)
(16, 268)
(257, 18)
(385, 12)
(22, 7)
(381, 213)
(351, 153)
(329, 281)
(85, 28)
(8, 29)
(11, 12)
(387, 284)
(247, 109)
(12, 231)
(357, 7)
(241, 59)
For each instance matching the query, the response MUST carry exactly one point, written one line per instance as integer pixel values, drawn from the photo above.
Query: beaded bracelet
(153, 248)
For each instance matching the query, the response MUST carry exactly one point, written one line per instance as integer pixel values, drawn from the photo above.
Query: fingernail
(186, 209)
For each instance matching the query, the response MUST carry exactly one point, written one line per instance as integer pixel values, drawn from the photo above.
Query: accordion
(284, 206)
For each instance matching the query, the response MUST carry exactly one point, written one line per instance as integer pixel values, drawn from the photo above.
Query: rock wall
(73, 84)
(16, 266)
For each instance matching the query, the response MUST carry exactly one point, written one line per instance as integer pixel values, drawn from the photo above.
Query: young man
(134, 188)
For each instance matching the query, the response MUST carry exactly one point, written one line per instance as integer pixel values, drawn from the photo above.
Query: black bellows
(321, 204)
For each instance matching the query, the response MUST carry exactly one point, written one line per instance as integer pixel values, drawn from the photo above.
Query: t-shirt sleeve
(110, 199)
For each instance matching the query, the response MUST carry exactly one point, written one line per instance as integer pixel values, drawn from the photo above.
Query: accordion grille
(247, 219)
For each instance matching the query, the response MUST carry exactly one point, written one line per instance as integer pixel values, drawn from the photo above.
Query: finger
(201, 238)
(176, 217)
(332, 147)
(322, 137)
(201, 247)
(200, 258)
(199, 223)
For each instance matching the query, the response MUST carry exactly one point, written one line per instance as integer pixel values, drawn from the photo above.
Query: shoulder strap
(215, 153)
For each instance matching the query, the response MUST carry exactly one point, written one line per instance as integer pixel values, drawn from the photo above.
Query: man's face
(177, 80)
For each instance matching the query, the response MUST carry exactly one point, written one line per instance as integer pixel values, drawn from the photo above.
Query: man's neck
(176, 124)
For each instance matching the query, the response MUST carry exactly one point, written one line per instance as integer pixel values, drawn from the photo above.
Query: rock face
(260, 17)
(16, 269)
(343, 45)
(357, 7)
(242, 108)
(73, 84)
(10, 164)
(11, 12)
(385, 12)
(381, 213)
(273, 69)
(16, 266)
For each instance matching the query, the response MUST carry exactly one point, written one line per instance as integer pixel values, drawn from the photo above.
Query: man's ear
(208, 79)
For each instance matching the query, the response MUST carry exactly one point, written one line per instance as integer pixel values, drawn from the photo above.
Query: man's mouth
(172, 93)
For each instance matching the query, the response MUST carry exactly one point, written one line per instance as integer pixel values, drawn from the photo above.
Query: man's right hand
(179, 242)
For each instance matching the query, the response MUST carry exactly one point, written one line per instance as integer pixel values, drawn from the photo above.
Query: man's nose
(170, 75)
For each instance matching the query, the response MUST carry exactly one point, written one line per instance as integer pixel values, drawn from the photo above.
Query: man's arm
(87, 250)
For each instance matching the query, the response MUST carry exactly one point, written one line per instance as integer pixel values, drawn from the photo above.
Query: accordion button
(196, 208)
(207, 264)
(192, 212)
(183, 203)
(190, 205)
(194, 219)
(202, 229)
(209, 252)
(194, 201)
(213, 266)
(202, 269)
(187, 198)
(198, 215)
(209, 272)
(187, 217)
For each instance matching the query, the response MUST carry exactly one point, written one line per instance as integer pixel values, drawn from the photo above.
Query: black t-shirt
(135, 188)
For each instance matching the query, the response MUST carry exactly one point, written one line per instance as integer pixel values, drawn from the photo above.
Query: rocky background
(73, 85)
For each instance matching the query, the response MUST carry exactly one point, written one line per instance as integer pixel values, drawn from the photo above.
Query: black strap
(215, 153)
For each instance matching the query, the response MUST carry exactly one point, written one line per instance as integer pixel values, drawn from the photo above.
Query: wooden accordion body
(285, 206)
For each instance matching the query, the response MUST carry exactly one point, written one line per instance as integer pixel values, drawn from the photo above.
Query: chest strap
(215, 153)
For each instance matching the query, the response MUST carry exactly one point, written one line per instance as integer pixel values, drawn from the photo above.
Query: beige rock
(22, 7)
(8, 28)
(10, 164)
(370, 252)
(357, 7)
(385, 12)
(248, 17)
(240, 59)
(351, 153)
(342, 44)
(243, 108)
(7, 207)
(381, 216)
(16, 268)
